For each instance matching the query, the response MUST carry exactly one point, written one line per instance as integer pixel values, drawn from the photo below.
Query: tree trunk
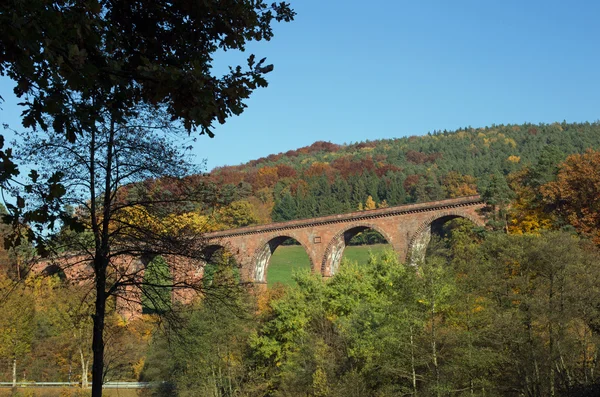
(101, 259)
(14, 377)
(87, 370)
(551, 379)
(470, 345)
(434, 351)
(585, 358)
(84, 370)
(214, 377)
(97, 337)
(412, 362)
(219, 372)
(536, 370)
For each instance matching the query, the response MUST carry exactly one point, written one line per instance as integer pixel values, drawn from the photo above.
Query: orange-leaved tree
(575, 195)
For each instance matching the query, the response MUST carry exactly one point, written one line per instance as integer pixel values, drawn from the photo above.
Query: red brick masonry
(323, 239)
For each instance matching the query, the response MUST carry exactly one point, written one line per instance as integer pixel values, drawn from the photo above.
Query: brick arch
(54, 269)
(209, 251)
(76, 269)
(261, 252)
(339, 236)
(430, 220)
(198, 266)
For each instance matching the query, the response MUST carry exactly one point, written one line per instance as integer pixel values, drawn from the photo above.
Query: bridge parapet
(349, 217)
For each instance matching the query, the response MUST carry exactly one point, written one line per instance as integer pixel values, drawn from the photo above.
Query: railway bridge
(407, 228)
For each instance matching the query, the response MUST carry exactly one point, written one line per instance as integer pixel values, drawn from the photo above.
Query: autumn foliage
(575, 195)
(326, 178)
(458, 185)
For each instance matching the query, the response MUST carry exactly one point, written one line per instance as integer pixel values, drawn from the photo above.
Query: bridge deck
(349, 217)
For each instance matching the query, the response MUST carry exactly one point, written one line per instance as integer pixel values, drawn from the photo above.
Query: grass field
(292, 258)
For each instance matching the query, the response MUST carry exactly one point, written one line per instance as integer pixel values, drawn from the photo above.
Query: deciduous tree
(575, 195)
(370, 204)
(87, 72)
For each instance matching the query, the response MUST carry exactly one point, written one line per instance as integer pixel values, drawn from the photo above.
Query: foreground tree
(91, 74)
(114, 222)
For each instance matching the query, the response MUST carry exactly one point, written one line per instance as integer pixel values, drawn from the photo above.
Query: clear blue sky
(348, 70)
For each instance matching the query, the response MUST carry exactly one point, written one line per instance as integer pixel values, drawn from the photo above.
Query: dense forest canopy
(326, 178)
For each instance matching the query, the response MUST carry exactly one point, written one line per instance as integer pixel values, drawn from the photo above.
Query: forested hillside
(512, 309)
(327, 178)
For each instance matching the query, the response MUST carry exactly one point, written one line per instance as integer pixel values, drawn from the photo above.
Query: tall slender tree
(88, 72)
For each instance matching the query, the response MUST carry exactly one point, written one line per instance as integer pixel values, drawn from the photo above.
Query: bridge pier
(419, 247)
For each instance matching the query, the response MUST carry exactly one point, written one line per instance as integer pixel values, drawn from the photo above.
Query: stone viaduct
(407, 228)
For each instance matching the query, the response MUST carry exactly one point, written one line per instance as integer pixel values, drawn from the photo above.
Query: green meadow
(292, 258)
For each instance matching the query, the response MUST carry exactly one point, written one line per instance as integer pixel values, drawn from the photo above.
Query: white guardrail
(107, 385)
